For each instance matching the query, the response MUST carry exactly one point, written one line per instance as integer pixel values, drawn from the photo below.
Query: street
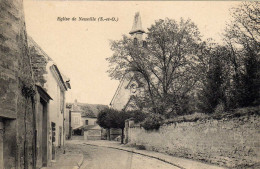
(105, 158)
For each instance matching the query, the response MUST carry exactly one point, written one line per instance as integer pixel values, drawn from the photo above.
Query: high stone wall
(15, 74)
(227, 142)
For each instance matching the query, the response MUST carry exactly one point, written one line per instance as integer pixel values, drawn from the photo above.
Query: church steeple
(137, 30)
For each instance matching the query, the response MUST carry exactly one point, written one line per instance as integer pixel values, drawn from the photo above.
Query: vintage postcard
(129, 84)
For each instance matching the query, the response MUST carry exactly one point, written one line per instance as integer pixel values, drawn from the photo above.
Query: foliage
(214, 80)
(137, 115)
(120, 117)
(110, 118)
(179, 74)
(152, 122)
(218, 114)
(140, 147)
(28, 91)
(165, 68)
(242, 37)
(105, 118)
(220, 108)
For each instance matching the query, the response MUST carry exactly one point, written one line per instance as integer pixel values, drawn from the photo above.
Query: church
(128, 87)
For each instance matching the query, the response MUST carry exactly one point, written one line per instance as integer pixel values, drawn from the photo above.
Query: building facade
(50, 104)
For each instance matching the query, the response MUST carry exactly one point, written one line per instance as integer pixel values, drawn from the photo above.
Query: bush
(220, 108)
(138, 116)
(152, 122)
(140, 147)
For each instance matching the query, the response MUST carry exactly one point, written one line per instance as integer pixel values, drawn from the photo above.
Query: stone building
(17, 102)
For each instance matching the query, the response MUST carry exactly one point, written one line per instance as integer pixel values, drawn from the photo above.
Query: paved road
(106, 158)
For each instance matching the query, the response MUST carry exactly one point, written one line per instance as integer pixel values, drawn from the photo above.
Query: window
(133, 88)
(135, 41)
(76, 120)
(86, 122)
(144, 44)
(62, 101)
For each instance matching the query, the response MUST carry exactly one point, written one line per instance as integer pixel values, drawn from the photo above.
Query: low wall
(114, 133)
(227, 142)
(92, 135)
(77, 137)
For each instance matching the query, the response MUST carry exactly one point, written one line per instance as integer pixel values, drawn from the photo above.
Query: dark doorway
(78, 132)
(43, 104)
(53, 139)
(60, 136)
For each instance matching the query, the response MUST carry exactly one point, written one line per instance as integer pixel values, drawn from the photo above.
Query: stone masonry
(230, 142)
(16, 84)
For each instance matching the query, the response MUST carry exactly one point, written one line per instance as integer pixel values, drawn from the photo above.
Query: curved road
(106, 158)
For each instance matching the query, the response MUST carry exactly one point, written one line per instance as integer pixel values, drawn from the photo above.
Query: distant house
(83, 119)
(92, 132)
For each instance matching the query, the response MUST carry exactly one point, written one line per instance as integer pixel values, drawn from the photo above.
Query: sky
(80, 48)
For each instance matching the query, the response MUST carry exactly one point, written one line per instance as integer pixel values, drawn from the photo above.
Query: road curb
(132, 151)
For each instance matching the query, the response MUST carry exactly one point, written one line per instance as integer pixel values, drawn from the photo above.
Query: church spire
(137, 26)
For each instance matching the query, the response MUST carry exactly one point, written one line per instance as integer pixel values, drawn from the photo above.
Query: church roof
(137, 25)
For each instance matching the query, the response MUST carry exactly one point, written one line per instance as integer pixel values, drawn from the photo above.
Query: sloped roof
(127, 77)
(32, 43)
(64, 80)
(88, 110)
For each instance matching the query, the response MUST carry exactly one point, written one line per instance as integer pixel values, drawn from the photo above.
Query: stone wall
(227, 142)
(16, 110)
(39, 63)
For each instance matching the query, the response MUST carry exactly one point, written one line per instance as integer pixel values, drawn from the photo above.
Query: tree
(242, 37)
(119, 118)
(110, 118)
(165, 67)
(152, 122)
(102, 119)
(137, 115)
(105, 119)
(214, 80)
